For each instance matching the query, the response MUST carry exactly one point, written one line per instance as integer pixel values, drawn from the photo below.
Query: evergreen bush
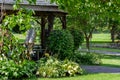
(60, 43)
(78, 37)
(86, 58)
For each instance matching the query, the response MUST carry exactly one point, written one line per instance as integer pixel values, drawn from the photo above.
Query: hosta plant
(9, 69)
(51, 67)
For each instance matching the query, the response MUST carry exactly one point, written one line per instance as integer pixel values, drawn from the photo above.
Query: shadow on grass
(112, 61)
(111, 57)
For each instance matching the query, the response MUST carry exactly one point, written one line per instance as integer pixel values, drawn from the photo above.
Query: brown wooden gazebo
(44, 10)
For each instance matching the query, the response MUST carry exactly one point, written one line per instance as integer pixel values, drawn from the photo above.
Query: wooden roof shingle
(38, 2)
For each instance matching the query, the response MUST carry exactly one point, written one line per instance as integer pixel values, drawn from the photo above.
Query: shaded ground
(102, 52)
(100, 69)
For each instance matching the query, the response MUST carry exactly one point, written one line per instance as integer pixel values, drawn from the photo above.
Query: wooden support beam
(50, 23)
(63, 21)
(43, 22)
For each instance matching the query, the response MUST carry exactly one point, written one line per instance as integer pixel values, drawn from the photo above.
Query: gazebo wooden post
(43, 22)
(2, 16)
(63, 20)
(50, 23)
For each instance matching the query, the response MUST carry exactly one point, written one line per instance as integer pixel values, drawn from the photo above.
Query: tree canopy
(87, 15)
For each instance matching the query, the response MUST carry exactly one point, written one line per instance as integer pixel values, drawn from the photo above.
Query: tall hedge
(78, 37)
(61, 43)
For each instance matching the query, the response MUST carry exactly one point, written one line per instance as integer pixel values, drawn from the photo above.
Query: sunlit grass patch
(101, 76)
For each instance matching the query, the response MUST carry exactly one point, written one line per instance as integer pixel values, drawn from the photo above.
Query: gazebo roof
(38, 2)
(42, 7)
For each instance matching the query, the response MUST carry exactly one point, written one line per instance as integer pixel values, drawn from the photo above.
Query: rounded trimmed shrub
(60, 43)
(87, 58)
(78, 37)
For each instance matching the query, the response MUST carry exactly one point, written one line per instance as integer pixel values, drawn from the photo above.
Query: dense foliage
(13, 63)
(60, 42)
(9, 45)
(51, 67)
(78, 37)
(9, 69)
(87, 58)
(23, 18)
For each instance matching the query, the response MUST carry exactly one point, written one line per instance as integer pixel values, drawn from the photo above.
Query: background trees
(87, 15)
(83, 15)
(112, 11)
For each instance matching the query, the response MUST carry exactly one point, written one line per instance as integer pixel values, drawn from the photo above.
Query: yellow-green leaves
(17, 3)
(23, 19)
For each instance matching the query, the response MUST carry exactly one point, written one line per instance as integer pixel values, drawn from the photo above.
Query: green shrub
(12, 70)
(87, 58)
(51, 67)
(78, 37)
(11, 47)
(61, 42)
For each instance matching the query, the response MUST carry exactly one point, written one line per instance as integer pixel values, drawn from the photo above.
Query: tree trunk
(87, 43)
(112, 37)
(113, 31)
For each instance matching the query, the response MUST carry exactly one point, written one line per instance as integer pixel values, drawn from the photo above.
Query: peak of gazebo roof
(38, 2)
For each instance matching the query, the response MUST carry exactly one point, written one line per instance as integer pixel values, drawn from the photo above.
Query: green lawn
(101, 76)
(96, 38)
(113, 61)
(101, 37)
(22, 38)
